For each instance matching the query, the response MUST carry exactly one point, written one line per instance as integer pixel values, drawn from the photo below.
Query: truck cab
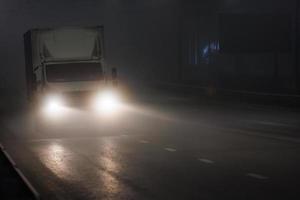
(66, 63)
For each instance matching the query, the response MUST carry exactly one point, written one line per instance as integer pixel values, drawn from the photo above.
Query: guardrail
(286, 100)
(22, 177)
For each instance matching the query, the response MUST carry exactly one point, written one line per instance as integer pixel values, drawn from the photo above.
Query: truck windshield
(69, 72)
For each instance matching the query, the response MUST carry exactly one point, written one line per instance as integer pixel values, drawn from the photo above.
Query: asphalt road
(171, 148)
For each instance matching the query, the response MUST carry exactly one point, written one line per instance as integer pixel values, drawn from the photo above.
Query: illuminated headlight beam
(107, 102)
(53, 105)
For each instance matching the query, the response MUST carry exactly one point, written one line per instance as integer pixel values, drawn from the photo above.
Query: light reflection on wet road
(152, 153)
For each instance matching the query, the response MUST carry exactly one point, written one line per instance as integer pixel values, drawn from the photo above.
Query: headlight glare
(107, 101)
(52, 105)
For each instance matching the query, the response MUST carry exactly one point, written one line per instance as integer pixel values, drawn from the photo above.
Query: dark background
(255, 33)
(165, 40)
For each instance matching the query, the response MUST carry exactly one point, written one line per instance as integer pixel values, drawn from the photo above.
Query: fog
(142, 38)
(139, 36)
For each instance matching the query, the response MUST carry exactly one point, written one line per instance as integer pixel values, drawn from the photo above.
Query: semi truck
(66, 65)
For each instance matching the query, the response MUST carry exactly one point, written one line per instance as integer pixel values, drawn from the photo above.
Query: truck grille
(77, 98)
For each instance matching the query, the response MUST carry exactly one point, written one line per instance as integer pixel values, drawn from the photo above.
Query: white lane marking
(28, 184)
(170, 149)
(144, 141)
(257, 176)
(13, 163)
(207, 161)
(20, 173)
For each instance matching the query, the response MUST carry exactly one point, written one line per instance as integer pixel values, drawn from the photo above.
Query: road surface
(170, 148)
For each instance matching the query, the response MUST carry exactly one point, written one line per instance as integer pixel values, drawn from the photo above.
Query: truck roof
(66, 43)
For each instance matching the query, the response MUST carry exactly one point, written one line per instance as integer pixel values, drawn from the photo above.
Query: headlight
(107, 101)
(52, 105)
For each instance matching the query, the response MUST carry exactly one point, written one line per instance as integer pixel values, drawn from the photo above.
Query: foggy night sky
(141, 37)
